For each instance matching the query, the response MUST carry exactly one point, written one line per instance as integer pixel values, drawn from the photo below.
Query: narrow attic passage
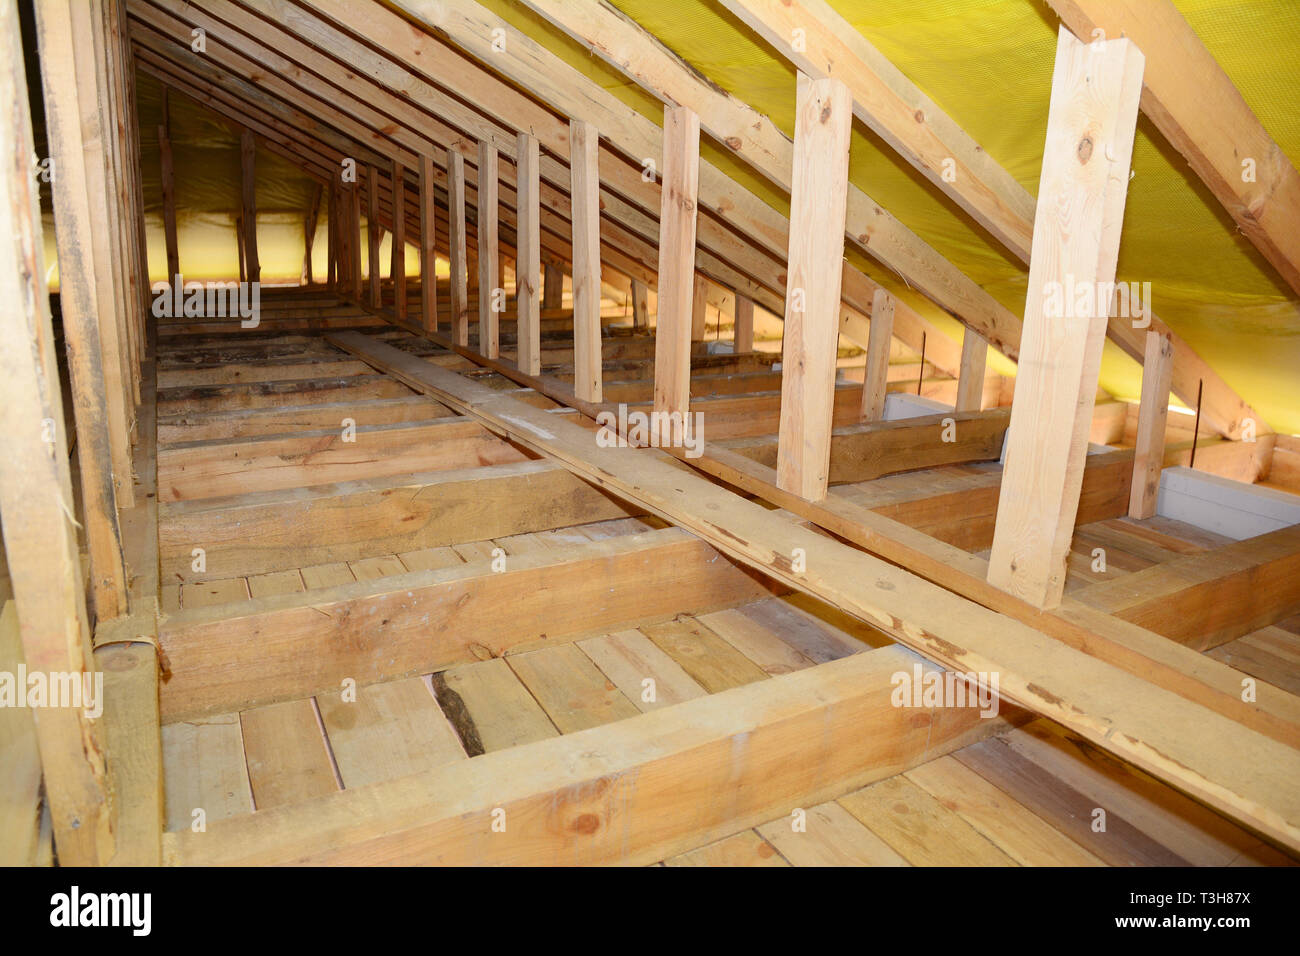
(520, 411)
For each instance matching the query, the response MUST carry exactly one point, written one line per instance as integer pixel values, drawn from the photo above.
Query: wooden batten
(428, 245)
(583, 159)
(875, 376)
(528, 263)
(398, 268)
(1153, 414)
(459, 255)
(1090, 131)
(970, 384)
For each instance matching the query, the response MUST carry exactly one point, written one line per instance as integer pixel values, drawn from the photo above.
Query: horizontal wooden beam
(300, 527)
(631, 792)
(1207, 599)
(230, 657)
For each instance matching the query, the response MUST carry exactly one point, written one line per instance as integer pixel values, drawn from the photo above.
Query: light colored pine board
(210, 593)
(204, 768)
(759, 644)
(275, 582)
(430, 559)
(1017, 831)
(287, 758)
(327, 575)
(368, 569)
(831, 837)
(503, 712)
(571, 689)
(746, 848)
(472, 551)
(20, 760)
(803, 632)
(919, 827)
(389, 730)
(629, 658)
(712, 663)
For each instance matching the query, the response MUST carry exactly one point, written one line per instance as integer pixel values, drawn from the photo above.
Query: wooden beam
(875, 377)
(699, 308)
(794, 740)
(373, 238)
(640, 305)
(584, 152)
(1090, 128)
(528, 279)
(309, 230)
(1207, 599)
(248, 191)
(36, 504)
(354, 239)
(970, 383)
(1153, 414)
(321, 524)
(459, 255)
(1249, 777)
(169, 198)
(428, 245)
(584, 589)
(398, 268)
(1199, 110)
(743, 334)
(823, 122)
(679, 174)
(553, 278)
(489, 263)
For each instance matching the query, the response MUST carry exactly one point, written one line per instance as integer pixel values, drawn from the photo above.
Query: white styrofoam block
(719, 347)
(899, 405)
(1230, 508)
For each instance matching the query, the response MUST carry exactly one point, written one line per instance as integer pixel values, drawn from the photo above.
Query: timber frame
(404, 482)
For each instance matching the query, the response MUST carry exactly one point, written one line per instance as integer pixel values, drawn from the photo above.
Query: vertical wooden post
(679, 194)
(640, 306)
(373, 238)
(398, 268)
(102, 430)
(552, 287)
(169, 196)
(818, 201)
(248, 182)
(875, 379)
(309, 232)
(699, 307)
(584, 150)
(456, 240)
(489, 268)
(354, 239)
(1081, 193)
(528, 264)
(331, 235)
(1149, 451)
(35, 485)
(428, 247)
(970, 379)
(743, 335)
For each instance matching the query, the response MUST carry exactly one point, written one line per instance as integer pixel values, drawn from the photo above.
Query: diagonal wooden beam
(1199, 110)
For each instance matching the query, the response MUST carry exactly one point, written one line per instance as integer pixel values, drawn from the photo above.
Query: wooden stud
(584, 150)
(1153, 413)
(309, 231)
(374, 238)
(36, 503)
(354, 240)
(248, 183)
(428, 246)
(970, 382)
(1090, 128)
(680, 177)
(553, 281)
(699, 307)
(743, 334)
(489, 263)
(458, 256)
(640, 305)
(875, 378)
(398, 269)
(823, 122)
(169, 200)
(528, 266)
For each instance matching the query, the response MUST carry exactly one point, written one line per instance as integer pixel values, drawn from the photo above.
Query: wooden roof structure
(394, 564)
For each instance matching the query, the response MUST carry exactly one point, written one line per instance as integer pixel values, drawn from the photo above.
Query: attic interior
(692, 433)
